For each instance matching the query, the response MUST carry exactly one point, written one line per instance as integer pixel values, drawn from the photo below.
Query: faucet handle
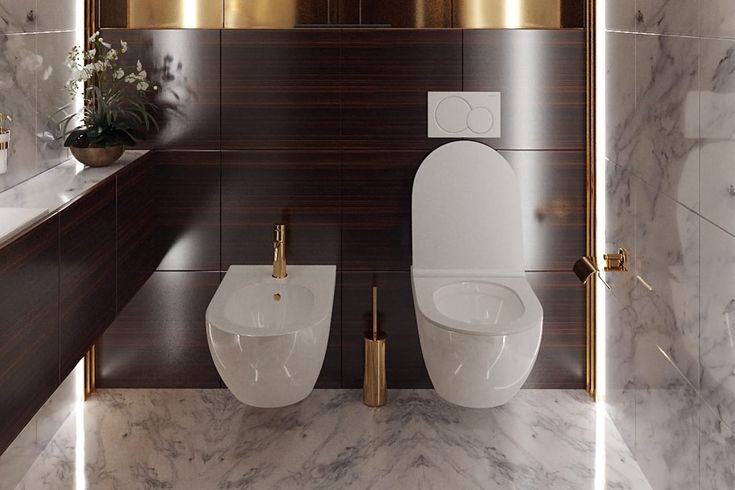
(279, 232)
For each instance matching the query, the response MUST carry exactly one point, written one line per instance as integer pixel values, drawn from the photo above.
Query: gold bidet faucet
(279, 251)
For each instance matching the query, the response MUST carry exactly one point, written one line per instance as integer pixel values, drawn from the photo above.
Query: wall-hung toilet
(479, 320)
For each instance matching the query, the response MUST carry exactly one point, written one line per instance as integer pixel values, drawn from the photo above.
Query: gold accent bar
(241, 14)
(374, 386)
(508, 14)
(90, 371)
(186, 14)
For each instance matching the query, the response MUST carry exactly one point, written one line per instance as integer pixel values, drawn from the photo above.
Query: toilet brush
(374, 385)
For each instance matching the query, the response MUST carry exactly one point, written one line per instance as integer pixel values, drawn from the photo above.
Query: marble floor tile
(196, 439)
(16, 16)
(56, 15)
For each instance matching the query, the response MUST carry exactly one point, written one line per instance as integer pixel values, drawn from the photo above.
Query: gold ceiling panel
(243, 14)
(194, 14)
(479, 14)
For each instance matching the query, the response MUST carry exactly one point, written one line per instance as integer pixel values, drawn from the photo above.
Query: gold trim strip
(90, 372)
(591, 173)
(501, 14)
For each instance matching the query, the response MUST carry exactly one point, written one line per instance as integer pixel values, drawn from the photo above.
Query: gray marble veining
(195, 439)
(668, 16)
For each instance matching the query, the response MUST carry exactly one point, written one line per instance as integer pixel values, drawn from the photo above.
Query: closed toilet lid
(466, 211)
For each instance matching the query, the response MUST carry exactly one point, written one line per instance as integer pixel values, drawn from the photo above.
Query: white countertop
(48, 192)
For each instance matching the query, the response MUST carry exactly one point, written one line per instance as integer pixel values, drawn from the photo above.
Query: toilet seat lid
(466, 211)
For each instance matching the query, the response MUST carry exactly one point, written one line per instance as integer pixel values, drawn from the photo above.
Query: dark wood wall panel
(188, 194)
(300, 189)
(554, 199)
(376, 208)
(541, 74)
(385, 77)
(87, 272)
(331, 373)
(418, 13)
(324, 129)
(561, 360)
(159, 339)
(405, 366)
(187, 63)
(138, 250)
(29, 326)
(280, 89)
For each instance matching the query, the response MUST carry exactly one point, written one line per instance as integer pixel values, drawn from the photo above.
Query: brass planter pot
(98, 157)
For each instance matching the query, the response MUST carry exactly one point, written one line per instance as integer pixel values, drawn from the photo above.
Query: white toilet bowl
(479, 321)
(267, 336)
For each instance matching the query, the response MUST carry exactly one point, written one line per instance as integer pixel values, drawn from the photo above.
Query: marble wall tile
(19, 66)
(717, 185)
(53, 95)
(718, 18)
(620, 15)
(56, 15)
(620, 225)
(620, 96)
(620, 382)
(717, 447)
(667, 433)
(667, 258)
(665, 128)
(668, 16)
(717, 343)
(17, 16)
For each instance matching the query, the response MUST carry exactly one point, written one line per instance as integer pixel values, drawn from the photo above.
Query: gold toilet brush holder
(374, 386)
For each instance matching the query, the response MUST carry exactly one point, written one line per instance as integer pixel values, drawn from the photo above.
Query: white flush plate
(464, 115)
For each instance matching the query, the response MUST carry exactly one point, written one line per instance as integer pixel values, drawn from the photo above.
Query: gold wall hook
(617, 262)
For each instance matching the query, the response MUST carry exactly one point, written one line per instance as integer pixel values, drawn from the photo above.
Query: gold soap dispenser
(374, 385)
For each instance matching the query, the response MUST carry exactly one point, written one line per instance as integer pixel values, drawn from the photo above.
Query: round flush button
(451, 114)
(480, 120)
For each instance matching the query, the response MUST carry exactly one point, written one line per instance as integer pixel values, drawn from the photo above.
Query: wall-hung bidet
(268, 329)
(479, 320)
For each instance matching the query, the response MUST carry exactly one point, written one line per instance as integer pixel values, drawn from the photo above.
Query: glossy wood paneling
(331, 373)
(404, 363)
(300, 189)
(553, 196)
(376, 208)
(417, 13)
(280, 89)
(541, 74)
(561, 360)
(138, 251)
(385, 76)
(29, 326)
(87, 272)
(159, 339)
(188, 191)
(348, 11)
(573, 13)
(187, 63)
(113, 13)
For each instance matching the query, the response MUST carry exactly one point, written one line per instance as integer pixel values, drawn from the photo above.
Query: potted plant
(117, 103)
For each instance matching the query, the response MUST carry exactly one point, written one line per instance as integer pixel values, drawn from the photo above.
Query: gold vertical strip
(91, 20)
(591, 175)
(90, 371)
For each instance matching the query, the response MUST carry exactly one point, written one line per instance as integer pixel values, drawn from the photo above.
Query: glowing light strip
(513, 13)
(80, 457)
(190, 8)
